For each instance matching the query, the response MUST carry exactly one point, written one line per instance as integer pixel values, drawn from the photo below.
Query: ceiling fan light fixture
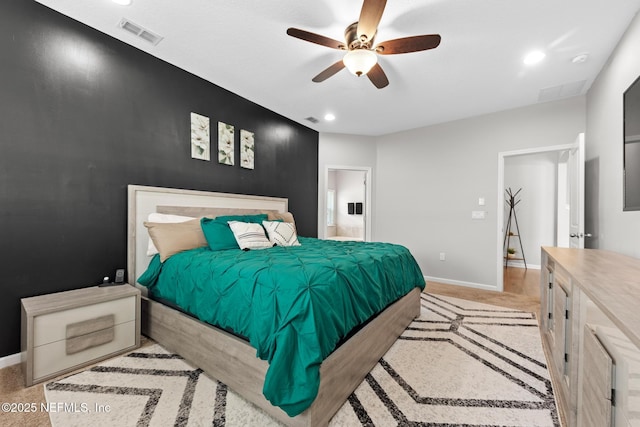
(360, 61)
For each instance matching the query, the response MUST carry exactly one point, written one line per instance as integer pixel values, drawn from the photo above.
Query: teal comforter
(293, 303)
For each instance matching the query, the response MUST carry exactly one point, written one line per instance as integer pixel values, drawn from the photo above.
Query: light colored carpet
(459, 363)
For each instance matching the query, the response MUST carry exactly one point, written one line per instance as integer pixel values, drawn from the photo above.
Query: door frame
(501, 200)
(576, 181)
(322, 230)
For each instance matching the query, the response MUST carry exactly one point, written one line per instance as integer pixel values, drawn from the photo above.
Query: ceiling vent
(312, 119)
(139, 31)
(563, 91)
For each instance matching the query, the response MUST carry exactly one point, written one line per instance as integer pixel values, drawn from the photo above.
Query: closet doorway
(348, 197)
(552, 199)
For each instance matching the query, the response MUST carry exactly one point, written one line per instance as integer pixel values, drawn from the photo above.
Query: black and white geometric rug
(460, 363)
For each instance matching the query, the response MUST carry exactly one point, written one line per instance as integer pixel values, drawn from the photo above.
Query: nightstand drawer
(52, 327)
(54, 357)
(67, 330)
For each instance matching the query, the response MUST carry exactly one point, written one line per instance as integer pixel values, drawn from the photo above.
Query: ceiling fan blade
(324, 75)
(408, 44)
(315, 38)
(378, 77)
(370, 16)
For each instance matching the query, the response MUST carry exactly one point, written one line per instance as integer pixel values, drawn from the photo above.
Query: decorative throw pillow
(158, 217)
(281, 216)
(171, 238)
(218, 234)
(257, 218)
(281, 233)
(249, 235)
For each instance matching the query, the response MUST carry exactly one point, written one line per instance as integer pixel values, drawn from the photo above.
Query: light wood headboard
(144, 200)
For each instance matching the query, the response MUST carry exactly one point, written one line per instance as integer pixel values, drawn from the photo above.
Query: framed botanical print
(225, 144)
(247, 149)
(200, 137)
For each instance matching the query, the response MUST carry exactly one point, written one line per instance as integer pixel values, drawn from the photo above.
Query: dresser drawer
(52, 327)
(53, 357)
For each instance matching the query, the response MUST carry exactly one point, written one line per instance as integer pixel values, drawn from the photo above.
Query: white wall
(535, 175)
(612, 228)
(428, 181)
(563, 203)
(344, 150)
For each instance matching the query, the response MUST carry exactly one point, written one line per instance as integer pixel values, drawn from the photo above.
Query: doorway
(348, 200)
(545, 173)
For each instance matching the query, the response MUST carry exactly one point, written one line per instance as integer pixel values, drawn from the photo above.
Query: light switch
(481, 201)
(478, 214)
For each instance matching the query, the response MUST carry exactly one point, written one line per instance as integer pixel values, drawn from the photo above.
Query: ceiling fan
(362, 55)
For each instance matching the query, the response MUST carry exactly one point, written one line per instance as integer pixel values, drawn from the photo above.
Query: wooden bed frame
(230, 359)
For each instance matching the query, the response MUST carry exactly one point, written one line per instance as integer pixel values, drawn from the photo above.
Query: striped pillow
(249, 235)
(281, 233)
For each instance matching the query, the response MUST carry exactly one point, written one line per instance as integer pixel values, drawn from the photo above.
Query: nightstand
(67, 330)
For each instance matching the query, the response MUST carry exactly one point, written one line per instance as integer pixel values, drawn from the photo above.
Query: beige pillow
(158, 217)
(171, 238)
(284, 216)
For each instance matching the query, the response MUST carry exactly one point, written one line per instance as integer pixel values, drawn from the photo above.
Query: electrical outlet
(442, 256)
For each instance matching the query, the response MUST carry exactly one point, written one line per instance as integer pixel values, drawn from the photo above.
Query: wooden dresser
(67, 330)
(590, 325)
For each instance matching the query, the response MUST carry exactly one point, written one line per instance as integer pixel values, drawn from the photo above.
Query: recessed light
(329, 117)
(534, 57)
(122, 2)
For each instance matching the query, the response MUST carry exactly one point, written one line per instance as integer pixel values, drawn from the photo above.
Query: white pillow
(249, 235)
(281, 233)
(163, 218)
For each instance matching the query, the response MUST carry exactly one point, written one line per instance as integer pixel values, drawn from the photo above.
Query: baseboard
(520, 264)
(461, 283)
(10, 360)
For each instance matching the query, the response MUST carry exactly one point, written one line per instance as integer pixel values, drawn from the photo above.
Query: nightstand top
(42, 304)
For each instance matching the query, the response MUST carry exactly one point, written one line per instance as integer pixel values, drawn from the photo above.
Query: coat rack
(508, 234)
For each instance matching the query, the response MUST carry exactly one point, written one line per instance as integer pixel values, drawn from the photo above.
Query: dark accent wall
(83, 115)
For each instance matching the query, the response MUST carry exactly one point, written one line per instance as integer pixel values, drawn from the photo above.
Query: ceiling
(242, 46)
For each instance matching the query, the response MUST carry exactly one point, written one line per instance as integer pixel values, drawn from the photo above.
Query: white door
(576, 193)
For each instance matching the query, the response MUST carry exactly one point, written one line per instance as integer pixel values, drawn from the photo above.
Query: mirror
(632, 147)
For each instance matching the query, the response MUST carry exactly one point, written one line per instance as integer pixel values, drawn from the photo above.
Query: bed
(231, 359)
